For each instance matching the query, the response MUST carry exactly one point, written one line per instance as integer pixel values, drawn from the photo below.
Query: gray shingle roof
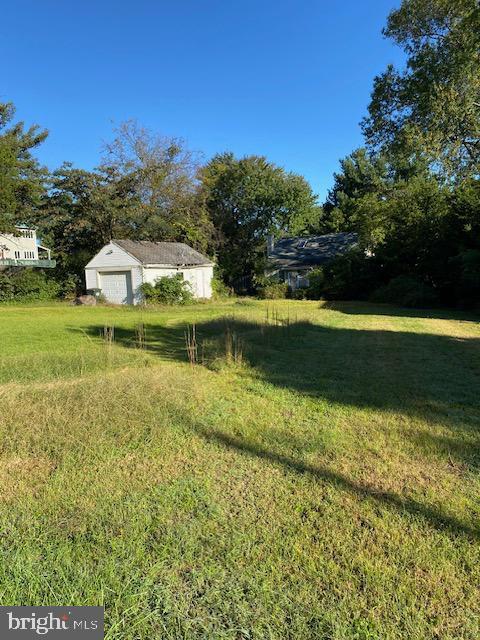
(170, 253)
(303, 252)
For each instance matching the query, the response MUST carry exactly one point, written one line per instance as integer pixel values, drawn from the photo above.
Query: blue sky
(288, 79)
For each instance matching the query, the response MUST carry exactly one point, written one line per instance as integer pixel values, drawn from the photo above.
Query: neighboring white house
(122, 266)
(21, 249)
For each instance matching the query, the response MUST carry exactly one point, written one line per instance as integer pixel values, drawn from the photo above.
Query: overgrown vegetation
(326, 488)
(413, 194)
(219, 289)
(27, 285)
(271, 288)
(407, 291)
(167, 290)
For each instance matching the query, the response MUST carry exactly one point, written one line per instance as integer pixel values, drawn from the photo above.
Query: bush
(316, 286)
(347, 277)
(7, 287)
(298, 294)
(465, 273)
(70, 286)
(27, 285)
(219, 288)
(167, 290)
(406, 291)
(270, 289)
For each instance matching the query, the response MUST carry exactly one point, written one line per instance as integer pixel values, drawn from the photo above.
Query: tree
(83, 211)
(21, 177)
(462, 237)
(164, 171)
(247, 199)
(432, 108)
(144, 189)
(361, 174)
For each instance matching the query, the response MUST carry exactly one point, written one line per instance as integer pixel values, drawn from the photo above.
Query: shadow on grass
(384, 309)
(434, 517)
(428, 376)
(433, 377)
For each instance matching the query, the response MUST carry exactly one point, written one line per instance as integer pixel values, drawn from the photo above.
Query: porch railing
(11, 262)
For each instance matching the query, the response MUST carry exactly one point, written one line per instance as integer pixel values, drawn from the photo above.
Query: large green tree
(360, 175)
(22, 179)
(432, 106)
(83, 211)
(413, 227)
(164, 172)
(144, 189)
(247, 199)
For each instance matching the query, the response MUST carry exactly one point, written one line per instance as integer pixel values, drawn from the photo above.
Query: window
(17, 255)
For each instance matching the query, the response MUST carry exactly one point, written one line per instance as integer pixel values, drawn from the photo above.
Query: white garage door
(116, 286)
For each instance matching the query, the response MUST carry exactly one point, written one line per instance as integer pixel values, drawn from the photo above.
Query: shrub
(7, 287)
(298, 294)
(219, 288)
(167, 290)
(465, 272)
(350, 276)
(316, 286)
(27, 285)
(406, 291)
(270, 289)
(70, 286)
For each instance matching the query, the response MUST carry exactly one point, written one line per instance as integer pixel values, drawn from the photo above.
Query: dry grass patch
(23, 476)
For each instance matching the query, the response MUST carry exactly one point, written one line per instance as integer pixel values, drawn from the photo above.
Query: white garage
(121, 266)
(117, 286)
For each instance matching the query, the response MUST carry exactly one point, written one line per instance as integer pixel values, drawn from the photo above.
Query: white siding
(19, 247)
(114, 259)
(112, 256)
(208, 277)
(91, 281)
(137, 280)
(200, 278)
(150, 274)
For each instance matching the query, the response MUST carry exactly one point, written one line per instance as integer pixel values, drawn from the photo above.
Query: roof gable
(112, 255)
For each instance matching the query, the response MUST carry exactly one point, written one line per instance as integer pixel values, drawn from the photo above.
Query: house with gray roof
(291, 259)
(122, 266)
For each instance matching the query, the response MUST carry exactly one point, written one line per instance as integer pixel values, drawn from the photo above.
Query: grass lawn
(323, 484)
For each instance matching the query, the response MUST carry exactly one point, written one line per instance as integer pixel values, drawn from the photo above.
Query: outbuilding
(122, 266)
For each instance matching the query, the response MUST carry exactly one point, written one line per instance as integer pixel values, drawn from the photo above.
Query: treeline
(412, 193)
(149, 187)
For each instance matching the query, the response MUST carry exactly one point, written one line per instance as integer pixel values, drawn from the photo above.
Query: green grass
(326, 486)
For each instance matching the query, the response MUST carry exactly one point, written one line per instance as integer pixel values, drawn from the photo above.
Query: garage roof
(169, 253)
